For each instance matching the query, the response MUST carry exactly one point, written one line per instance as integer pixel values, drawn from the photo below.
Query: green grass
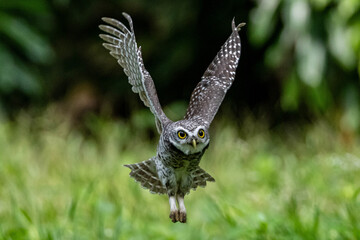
(283, 183)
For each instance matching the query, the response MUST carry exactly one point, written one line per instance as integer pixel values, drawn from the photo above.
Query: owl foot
(182, 217)
(177, 216)
(174, 216)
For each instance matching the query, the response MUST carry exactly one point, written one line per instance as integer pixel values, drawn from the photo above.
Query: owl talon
(182, 217)
(174, 216)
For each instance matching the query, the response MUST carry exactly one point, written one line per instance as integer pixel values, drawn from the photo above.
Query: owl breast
(181, 171)
(176, 159)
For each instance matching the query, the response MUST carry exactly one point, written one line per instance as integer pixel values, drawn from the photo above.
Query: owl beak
(194, 143)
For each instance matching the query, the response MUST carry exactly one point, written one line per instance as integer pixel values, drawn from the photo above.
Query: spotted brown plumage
(122, 45)
(175, 168)
(217, 79)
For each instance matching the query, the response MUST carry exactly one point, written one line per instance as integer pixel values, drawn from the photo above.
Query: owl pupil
(181, 134)
(201, 133)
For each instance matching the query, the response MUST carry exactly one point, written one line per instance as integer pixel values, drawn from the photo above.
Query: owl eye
(201, 133)
(181, 134)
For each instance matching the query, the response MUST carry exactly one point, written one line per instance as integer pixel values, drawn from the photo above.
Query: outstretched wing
(122, 45)
(217, 79)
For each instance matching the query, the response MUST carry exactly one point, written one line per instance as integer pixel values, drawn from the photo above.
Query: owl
(175, 169)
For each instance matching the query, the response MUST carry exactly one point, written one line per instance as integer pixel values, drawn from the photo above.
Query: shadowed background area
(300, 59)
(285, 147)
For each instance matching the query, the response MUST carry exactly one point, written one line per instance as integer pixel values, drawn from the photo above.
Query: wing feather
(217, 79)
(121, 43)
(145, 173)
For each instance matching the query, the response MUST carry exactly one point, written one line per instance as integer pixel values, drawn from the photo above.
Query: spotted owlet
(175, 168)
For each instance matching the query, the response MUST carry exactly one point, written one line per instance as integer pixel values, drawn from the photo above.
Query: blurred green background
(285, 145)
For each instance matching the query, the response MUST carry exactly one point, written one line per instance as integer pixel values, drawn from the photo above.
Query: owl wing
(206, 98)
(122, 45)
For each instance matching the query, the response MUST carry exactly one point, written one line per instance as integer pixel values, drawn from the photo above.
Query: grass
(283, 183)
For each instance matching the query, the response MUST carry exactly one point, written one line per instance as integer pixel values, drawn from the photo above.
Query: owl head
(188, 136)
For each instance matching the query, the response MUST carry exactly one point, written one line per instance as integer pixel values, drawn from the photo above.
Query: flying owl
(175, 168)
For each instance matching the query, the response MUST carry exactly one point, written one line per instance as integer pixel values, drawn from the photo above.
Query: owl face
(188, 136)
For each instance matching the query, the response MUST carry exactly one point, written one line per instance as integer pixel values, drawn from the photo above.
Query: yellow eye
(181, 134)
(201, 133)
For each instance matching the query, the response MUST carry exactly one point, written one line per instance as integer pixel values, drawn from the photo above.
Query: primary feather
(217, 79)
(122, 45)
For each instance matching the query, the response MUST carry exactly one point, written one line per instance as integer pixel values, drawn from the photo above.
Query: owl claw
(174, 216)
(182, 217)
(177, 216)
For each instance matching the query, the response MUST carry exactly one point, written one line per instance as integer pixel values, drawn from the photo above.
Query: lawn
(285, 182)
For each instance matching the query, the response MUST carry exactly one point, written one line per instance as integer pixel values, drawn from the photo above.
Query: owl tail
(200, 177)
(145, 174)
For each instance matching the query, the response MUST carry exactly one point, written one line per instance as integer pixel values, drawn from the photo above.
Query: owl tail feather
(145, 174)
(200, 177)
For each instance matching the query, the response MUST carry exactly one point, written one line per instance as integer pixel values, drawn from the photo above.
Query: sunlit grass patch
(57, 183)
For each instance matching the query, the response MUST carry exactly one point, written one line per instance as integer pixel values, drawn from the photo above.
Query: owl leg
(182, 211)
(174, 213)
(171, 188)
(168, 180)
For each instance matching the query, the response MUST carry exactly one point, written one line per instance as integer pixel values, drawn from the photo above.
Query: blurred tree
(300, 57)
(314, 48)
(25, 51)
